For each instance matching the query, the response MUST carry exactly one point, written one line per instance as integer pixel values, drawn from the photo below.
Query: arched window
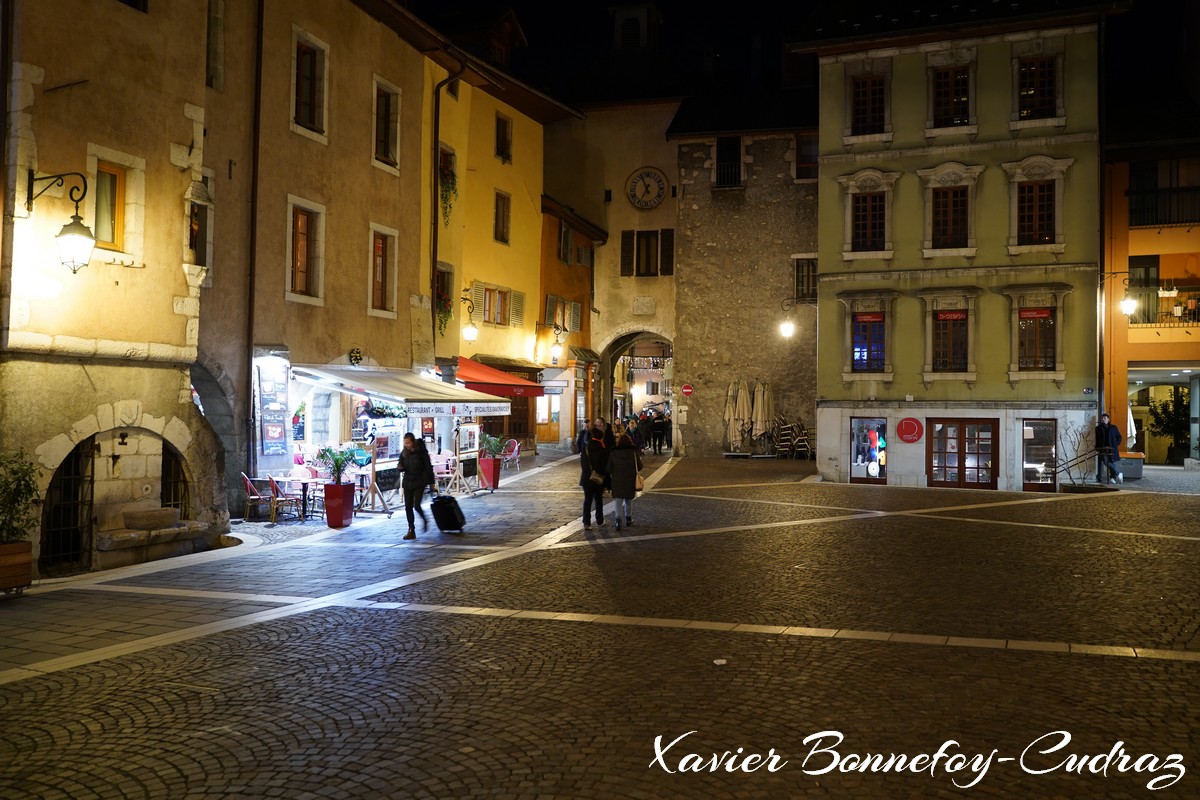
(66, 543)
(175, 492)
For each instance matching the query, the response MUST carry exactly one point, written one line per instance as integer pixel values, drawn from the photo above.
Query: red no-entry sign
(686, 390)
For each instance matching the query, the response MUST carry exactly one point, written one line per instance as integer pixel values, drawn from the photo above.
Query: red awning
(490, 380)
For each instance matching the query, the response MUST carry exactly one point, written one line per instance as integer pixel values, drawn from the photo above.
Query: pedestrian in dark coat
(594, 458)
(635, 433)
(658, 432)
(418, 473)
(667, 430)
(1108, 444)
(624, 464)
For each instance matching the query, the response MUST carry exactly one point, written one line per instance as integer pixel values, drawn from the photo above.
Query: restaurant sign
(458, 409)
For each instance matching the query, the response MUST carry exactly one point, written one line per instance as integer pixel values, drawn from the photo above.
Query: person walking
(667, 431)
(418, 473)
(624, 464)
(593, 461)
(657, 432)
(1108, 443)
(635, 433)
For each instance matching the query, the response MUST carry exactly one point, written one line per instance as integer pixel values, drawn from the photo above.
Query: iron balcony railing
(1155, 309)
(729, 174)
(1164, 207)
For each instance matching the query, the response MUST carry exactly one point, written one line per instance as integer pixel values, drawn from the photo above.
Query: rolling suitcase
(447, 513)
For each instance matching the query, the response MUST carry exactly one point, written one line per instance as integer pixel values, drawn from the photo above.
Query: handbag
(638, 483)
(596, 477)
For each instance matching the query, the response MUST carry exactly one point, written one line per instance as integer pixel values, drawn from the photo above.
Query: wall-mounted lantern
(75, 240)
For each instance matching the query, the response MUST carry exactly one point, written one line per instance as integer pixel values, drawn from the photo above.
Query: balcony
(1159, 207)
(1155, 310)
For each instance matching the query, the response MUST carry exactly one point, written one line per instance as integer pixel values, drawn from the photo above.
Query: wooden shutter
(517, 315)
(666, 259)
(576, 323)
(379, 273)
(551, 306)
(627, 252)
(477, 301)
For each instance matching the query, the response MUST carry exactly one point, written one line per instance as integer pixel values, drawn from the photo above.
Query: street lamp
(556, 349)
(469, 331)
(787, 328)
(1128, 305)
(75, 240)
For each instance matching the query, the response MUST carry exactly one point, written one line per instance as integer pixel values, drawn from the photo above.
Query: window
(387, 123)
(648, 253)
(950, 341)
(805, 275)
(1036, 345)
(564, 242)
(504, 138)
(1036, 339)
(557, 311)
(382, 277)
(175, 493)
(1035, 212)
(729, 162)
(949, 200)
(949, 217)
(308, 85)
(806, 156)
(1037, 85)
(495, 306)
(305, 245)
(867, 104)
(584, 256)
(869, 211)
(1036, 187)
(502, 220)
(200, 228)
(868, 220)
(653, 388)
(1036, 88)
(952, 96)
(867, 342)
(109, 228)
(214, 51)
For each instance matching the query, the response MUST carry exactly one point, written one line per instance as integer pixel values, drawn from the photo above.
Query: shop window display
(868, 449)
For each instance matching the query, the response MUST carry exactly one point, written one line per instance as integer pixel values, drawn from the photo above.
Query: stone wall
(734, 269)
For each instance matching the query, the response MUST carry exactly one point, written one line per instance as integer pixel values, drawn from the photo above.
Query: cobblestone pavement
(748, 610)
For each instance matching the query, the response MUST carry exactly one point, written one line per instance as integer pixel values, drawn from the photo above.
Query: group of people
(649, 430)
(608, 461)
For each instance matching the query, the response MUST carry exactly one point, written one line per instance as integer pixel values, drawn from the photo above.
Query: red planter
(16, 566)
(489, 473)
(339, 504)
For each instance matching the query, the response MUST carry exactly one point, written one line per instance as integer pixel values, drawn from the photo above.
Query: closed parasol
(731, 430)
(742, 412)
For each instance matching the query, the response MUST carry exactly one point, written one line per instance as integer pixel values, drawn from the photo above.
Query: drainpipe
(9, 178)
(1102, 256)
(251, 461)
(433, 221)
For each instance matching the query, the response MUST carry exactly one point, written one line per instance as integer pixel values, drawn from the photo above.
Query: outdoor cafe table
(304, 484)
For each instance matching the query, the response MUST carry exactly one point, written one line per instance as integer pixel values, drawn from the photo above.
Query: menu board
(273, 407)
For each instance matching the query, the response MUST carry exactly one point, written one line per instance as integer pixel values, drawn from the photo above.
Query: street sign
(910, 430)
(686, 390)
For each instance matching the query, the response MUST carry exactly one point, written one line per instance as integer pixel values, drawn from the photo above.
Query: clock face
(646, 187)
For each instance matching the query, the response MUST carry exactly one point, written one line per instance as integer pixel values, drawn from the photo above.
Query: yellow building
(958, 250)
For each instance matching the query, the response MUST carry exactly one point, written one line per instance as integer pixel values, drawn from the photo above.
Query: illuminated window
(109, 228)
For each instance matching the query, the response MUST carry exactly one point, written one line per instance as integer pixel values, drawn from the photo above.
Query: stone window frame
(1037, 168)
(379, 83)
(951, 298)
(866, 301)
(201, 193)
(133, 230)
(1037, 295)
(301, 36)
(867, 180)
(317, 298)
(867, 66)
(942, 59)
(795, 153)
(393, 236)
(949, 174)
(1041, 46)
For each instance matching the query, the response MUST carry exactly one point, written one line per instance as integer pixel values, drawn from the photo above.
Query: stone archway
(215, 390)
(610, 356)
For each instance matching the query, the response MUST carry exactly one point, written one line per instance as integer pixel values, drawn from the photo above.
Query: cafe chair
(283, 502)
(255, 499)
(510, 455)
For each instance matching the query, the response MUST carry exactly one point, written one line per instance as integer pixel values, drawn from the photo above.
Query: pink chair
(283, 501)
(510, 455)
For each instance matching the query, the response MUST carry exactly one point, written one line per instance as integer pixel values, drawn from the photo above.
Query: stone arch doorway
(635, 374)
(68, 522)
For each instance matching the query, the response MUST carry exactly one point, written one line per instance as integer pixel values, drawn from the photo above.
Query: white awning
(422, 397)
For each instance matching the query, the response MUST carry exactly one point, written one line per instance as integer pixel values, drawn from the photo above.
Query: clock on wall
(646, 187)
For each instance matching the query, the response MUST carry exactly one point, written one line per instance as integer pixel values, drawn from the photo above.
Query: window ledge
(856, 255)
(1016, 376)
(306, 299)
(734, 187)
(1018, 249)
(848, 377)
(390, 169)
(962, 252)
(308, 133)
(952, 130)
(865, 138)
(1043, 122)
(967, 377)
(381, 313)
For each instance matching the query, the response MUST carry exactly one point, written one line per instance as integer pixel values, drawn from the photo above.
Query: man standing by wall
(1108, 443)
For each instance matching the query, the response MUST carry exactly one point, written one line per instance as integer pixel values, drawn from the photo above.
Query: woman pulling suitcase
(418, 473)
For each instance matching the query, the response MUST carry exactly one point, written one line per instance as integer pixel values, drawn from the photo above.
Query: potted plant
(489, 460)
(20, 506)
(448, 184)
(339, 497)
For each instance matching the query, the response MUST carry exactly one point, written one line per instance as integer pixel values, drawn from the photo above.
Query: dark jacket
(610, 438)
(623, 465)
(594, 457)
(1108, 439)
(418, 471)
